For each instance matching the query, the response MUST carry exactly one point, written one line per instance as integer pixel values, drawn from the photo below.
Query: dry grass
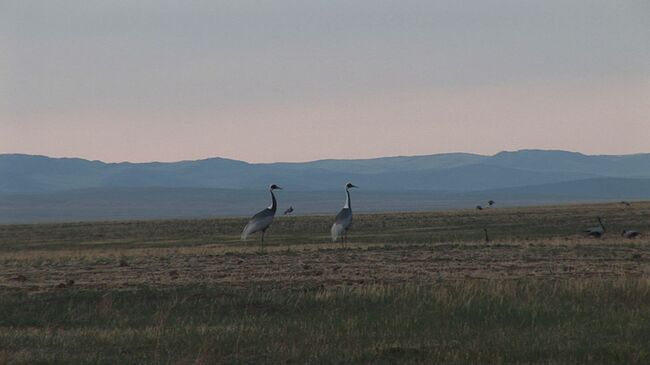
(411, 287)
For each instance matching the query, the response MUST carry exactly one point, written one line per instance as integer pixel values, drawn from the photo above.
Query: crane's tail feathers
(246, 232)
(337, 229)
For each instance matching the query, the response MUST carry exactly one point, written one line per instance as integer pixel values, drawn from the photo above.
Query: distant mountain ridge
(460, 172)
(43, 189)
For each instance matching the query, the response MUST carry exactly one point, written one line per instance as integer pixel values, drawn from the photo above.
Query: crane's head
(350, 186)
(274, 187)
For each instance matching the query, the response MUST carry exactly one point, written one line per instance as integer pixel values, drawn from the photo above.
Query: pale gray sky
(301, 80)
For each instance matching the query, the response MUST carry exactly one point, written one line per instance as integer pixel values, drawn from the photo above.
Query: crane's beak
(354, 186)
(279, 188)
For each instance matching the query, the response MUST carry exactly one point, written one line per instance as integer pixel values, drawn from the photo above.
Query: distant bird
(596, 232)
(627, 204)
(288, 211)
(343, 220)
(487, 239)
(491, 202)
(479, 207)
(262, 220)
(630, 234)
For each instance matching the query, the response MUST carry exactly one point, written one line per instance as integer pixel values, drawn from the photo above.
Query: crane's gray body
(341, 224)
(596, 231)
(343, 220)
(630, 234)
(261, 221)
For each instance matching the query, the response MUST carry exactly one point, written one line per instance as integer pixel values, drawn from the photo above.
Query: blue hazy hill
(454, 171)
(38, 188)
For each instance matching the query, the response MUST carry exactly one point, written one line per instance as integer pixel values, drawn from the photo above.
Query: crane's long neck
(347, 200)
(274, 203)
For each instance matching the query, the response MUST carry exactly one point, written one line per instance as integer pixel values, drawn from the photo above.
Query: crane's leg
(261, 247)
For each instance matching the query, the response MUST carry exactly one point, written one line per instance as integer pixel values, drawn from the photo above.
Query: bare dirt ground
(324, 265)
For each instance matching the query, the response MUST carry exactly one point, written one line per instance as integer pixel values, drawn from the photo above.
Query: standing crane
(261, 221)
(343, 220)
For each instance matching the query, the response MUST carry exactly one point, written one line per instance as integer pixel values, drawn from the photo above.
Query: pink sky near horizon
(593, 118)
(298, 81)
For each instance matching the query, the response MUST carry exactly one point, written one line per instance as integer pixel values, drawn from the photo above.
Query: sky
(264, 81)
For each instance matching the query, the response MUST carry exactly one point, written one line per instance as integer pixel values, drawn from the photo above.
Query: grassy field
(410, 287)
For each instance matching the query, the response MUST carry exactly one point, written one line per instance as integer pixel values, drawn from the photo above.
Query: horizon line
(2, 154)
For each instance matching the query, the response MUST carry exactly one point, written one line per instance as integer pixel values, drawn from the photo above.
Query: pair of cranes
(261, 221)
(490, 204)
(599, 231)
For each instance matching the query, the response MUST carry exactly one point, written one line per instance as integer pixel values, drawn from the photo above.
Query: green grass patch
(523, 321)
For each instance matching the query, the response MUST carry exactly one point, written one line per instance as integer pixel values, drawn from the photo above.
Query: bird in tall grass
(343, 220)
(478, 207)
(261, 221)
(598, 231)
(630, 234)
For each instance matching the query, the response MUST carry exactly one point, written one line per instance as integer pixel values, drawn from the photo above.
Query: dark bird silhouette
(630, 234)
(596, 232)
(491, 202)
(261, 221)
(288, 211)
(479, 207)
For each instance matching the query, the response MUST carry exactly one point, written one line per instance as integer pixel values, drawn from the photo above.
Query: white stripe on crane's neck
(347, 200)
(274, 203)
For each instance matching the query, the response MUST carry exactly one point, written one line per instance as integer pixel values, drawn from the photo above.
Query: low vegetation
(411, 288)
